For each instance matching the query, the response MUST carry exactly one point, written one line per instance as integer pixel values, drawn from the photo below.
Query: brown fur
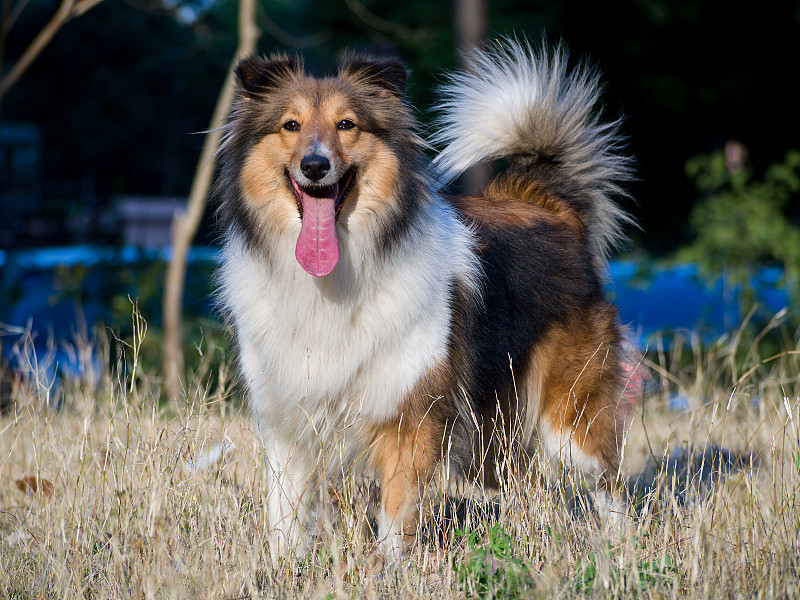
(510, 201)
(580, 389)
(267, 195)
(568, 387)
(406, 451)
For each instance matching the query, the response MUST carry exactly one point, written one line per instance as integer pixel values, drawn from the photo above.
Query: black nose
(315, 167)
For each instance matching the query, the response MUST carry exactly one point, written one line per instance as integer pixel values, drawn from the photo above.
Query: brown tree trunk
(184, 226)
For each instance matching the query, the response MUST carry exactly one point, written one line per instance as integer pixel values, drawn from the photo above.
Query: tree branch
(38, 44)
(12, 16)
(376, 22)
(84, 6)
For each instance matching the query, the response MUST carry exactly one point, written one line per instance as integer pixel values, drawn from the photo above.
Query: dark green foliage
(491, 567)
(743, 224)
(648, 573)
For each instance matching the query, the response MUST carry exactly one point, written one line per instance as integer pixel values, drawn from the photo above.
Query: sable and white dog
(377, 319)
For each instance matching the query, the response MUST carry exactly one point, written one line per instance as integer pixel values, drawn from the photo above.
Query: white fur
(390, 536)
(290, 488)
(561, 444)
(325, 357)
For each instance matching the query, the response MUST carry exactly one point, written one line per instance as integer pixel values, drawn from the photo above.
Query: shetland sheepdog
(385, 327)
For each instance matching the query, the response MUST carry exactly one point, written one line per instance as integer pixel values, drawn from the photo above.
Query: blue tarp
(660, 298)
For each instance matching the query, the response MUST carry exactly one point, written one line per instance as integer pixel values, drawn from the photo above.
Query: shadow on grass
(681, 475)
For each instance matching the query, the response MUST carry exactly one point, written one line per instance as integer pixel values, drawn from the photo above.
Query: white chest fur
(349, 346)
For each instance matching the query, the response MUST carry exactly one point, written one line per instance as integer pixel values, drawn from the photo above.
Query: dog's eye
(345, 124)
(291, 126)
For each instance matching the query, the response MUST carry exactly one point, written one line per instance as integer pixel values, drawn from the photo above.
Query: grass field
(110, 496)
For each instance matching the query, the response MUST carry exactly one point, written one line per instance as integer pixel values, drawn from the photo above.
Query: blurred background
(103, 104)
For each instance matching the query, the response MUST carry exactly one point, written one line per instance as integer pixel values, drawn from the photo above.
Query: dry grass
(151, 502)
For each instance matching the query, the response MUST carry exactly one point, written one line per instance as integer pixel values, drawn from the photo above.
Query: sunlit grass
(165, 501)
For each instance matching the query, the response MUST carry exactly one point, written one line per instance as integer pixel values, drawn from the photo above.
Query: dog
(385, 327)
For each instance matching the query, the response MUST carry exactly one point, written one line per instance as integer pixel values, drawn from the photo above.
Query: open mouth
(337, 191)
(319, 206)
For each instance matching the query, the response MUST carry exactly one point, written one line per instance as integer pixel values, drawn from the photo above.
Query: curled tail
(518, 102)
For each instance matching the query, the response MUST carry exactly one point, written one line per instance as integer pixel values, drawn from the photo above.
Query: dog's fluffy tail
(521, 103)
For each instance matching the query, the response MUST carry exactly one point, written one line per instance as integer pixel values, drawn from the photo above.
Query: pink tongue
(317, 248)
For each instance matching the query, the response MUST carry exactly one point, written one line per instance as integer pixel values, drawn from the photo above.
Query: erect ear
(259, 74)
(387, 75)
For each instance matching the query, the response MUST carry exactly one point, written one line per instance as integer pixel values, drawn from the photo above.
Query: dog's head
(315, 155)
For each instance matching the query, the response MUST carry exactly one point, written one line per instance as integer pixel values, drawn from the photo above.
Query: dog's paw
(373, 567)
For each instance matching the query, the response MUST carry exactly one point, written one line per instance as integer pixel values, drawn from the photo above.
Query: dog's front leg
(289, 479)
(406, 455)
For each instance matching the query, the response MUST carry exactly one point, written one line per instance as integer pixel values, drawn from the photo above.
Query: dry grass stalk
(153, 502)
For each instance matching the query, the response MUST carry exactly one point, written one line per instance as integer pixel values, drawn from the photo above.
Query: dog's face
(320, 156)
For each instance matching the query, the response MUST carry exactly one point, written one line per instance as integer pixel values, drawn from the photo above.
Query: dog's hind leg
(579, 420)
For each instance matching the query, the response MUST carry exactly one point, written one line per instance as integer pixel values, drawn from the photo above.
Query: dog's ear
(258, 74)
(385, 75)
